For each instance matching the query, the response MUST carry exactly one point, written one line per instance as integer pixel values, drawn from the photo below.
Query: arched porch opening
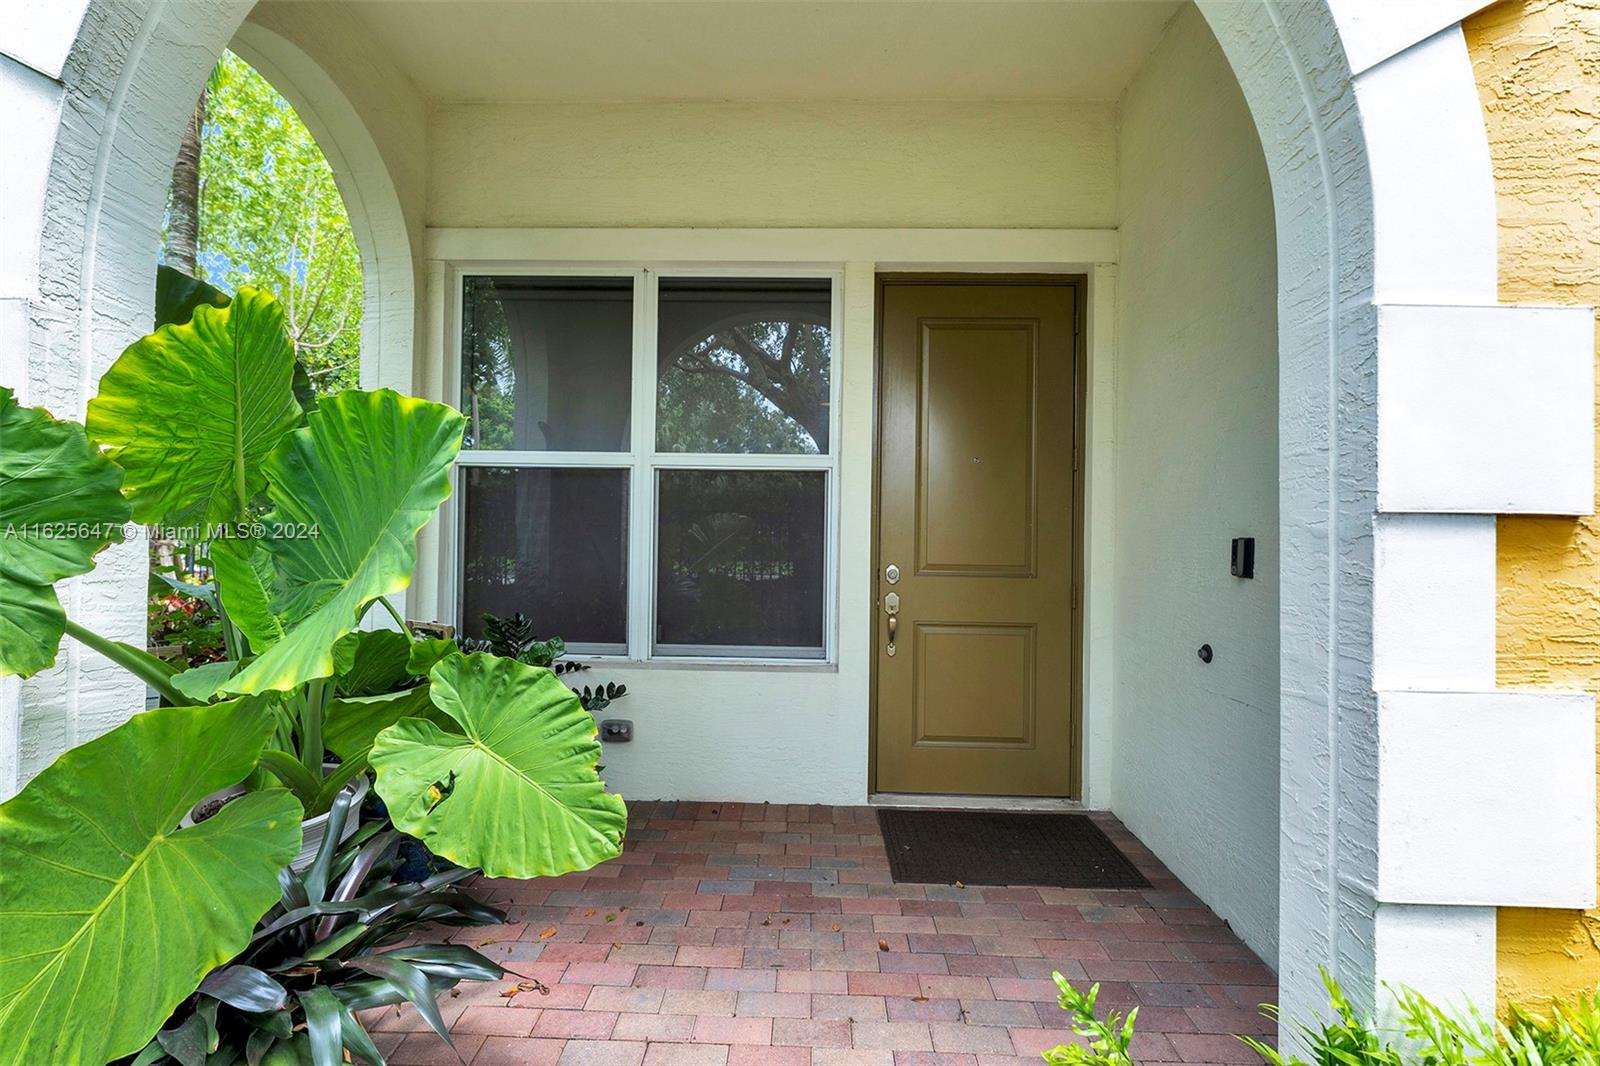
(1385, 264)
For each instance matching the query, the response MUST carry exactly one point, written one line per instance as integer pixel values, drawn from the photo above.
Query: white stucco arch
(1401, 436)
(1385, 235)
(107, 113)
(388, 321)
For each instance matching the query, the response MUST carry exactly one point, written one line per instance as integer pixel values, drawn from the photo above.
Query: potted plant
(311, 513)
(512, 636)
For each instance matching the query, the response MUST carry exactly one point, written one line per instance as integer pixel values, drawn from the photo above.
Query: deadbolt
(891, 574)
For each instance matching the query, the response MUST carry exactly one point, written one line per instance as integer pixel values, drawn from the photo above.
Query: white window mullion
(641, 488)
(600, 460)
(740, 461)
(830, 594)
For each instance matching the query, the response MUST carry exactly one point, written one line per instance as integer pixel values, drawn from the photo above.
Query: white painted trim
(1433, 199)
(1376, 30)
(1486, 798)
(993, 250)
(1433, 612)
(40, 36)
(1486, 410)
(432, 585)
(1097, 619)
(1445, 953)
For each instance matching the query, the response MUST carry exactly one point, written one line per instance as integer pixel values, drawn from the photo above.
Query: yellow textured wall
(1538, 71)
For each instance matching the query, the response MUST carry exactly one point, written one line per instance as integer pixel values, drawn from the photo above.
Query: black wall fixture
(1243, 562)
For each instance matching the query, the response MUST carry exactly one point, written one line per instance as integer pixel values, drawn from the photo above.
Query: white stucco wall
(1196, 464)
(775, 733)
(827, 163)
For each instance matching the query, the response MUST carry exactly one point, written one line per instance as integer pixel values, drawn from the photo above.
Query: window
(553, 544)
(547, 363)
(648, 468)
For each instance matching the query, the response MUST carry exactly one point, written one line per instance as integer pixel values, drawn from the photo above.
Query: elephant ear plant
(112, 913)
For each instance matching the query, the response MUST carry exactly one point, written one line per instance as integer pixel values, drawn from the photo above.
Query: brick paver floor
(737, 934)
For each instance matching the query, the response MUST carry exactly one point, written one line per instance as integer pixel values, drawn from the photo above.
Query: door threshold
(982, 803)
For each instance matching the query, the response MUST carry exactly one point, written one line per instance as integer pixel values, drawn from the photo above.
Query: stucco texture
(1196, 465)
(762, 164)
(1537, 64)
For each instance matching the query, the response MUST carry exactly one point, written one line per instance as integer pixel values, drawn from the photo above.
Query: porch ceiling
(460, 50)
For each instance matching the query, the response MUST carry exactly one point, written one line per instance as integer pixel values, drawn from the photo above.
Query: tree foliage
(271, 217)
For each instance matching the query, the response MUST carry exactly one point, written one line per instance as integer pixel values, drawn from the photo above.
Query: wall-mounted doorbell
(1243, 563)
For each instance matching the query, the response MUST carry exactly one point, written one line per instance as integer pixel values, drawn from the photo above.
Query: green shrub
(1108, 1037)
(1423, 1034)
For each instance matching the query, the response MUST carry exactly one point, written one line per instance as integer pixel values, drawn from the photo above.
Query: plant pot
(312, 830)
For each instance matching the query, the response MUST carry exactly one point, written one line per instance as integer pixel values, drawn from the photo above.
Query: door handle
(891, 607)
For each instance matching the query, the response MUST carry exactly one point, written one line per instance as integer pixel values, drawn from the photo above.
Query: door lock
(891, 574)
(891, 607)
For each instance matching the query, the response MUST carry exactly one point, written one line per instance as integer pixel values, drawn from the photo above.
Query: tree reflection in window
(744, 365)
(547, 363)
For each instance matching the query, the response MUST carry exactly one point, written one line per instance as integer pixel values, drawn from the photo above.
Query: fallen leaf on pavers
(919, 999)
(766, 921)
(960, 885)
(588, 914)
(611, 917)
(883, 945)
(486, 943)
(835, 928)
(547, 932)
(638, 923)
(524, 986)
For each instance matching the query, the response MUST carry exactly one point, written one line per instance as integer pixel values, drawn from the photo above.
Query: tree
(184, 228)
(270, 215)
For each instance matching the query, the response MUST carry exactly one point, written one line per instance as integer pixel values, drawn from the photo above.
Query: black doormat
(1003, 848)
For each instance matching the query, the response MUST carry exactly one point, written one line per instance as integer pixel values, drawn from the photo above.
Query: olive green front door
(976, 566)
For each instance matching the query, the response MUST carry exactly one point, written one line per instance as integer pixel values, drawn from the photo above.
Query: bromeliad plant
(336, 942)
(311, 516)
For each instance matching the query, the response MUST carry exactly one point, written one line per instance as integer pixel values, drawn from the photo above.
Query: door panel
(955, 704)
(977, 514)
(975, 453)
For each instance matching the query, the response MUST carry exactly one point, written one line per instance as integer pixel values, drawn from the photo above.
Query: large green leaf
(244, 585)
(516, 792)
(60, 504)
(111, 915)
(191, 410)
(177, 295)
(349, 493)
(371, 662)
(351, 724)
(198, 684)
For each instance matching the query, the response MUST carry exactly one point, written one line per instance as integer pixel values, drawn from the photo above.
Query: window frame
(644, 462)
